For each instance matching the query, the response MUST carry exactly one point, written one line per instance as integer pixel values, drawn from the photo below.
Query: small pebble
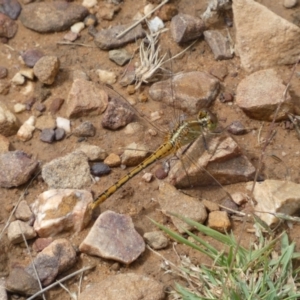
(40, 107)
(19, 107)
(156, 24)
(31, 56)
(130, 89)
(289, 3)
(59, 134)
(30, 102)
(18, 79)
(90, 20)
(47, 135)
(89, 3)
(63, 123)
(119, 56)
(230, 204)
(71, 36)
(143, 97)
(160, 173)
(225, 97)
(236, 128)
(113, 160)
(56, 105)
(27, 73)
(106, 76)
(147, 177)
(77, 27)
(100, 169)
(85, 129)
(3, 72)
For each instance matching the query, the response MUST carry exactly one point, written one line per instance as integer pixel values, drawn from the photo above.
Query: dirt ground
(131, 198)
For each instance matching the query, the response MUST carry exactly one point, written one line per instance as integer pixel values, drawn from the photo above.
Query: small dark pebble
(3, 72)
(90, 20)
(85, 129)
(236, 128)
(47, 135)
(59, 134)
(40, 107)
(81, 139)
(230, 204)
(288, 125)
(30, 102)
(56, 105)
(100, 169)
(161, 173)
(31, 56)
(225, 97)
(11, 8)
(234, 74)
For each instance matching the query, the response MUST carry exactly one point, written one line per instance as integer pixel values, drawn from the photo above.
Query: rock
(46, 69)
(220, 71)
(218, 220)
(23, 212)
(231, 205)
(41, 91)
(93, 152)
(85, 98)
(290, 3)
(26, 130)
(219, 44)
(77, 27)
(71, 36)
(18, 108)
(118, 114)
(275, 196)
(31, 56)
(236, 128)
(70, 171)
(113, 237)
(129, 75)
(133, 128)
(222, 163)
(55, 105)
(16, 167)
(188, 91)
(4, 145)
(210, 206)
(89, 3)
(8, 27)
(134, 154)
(11, 8)
(45, 121)
(64, 124)
(90, 20)
(123, 287)
(79, 74)
(167, 12)
(41, 243)
(18, 79)
(155, 24)
(113, 160)
(59, 134)
(119, 56)
(4, 87)
(185, 28)
(108, 11)
(100, 169)
(85, 129)
(40, 107)
(268, 27)
(56, 258)
(147, 177)
(16, 229)
(106, 39)
(47, 135)
(8, 121)
(239, 198)
(27, 73)
(61, 210)
(259, 94)
(172, 200)
(106, 76)
(52, 17)
(20, 282)
(3, 294)
(3, 72)
(156, 240)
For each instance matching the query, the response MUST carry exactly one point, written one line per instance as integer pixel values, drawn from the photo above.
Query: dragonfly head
(207, 119)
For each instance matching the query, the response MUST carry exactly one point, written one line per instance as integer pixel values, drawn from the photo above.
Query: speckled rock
(11, 8)
(31, 56)
(17, 229)
(8, 27)
(46, 69)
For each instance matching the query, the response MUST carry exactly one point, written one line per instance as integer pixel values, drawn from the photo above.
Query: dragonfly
(185, 133)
